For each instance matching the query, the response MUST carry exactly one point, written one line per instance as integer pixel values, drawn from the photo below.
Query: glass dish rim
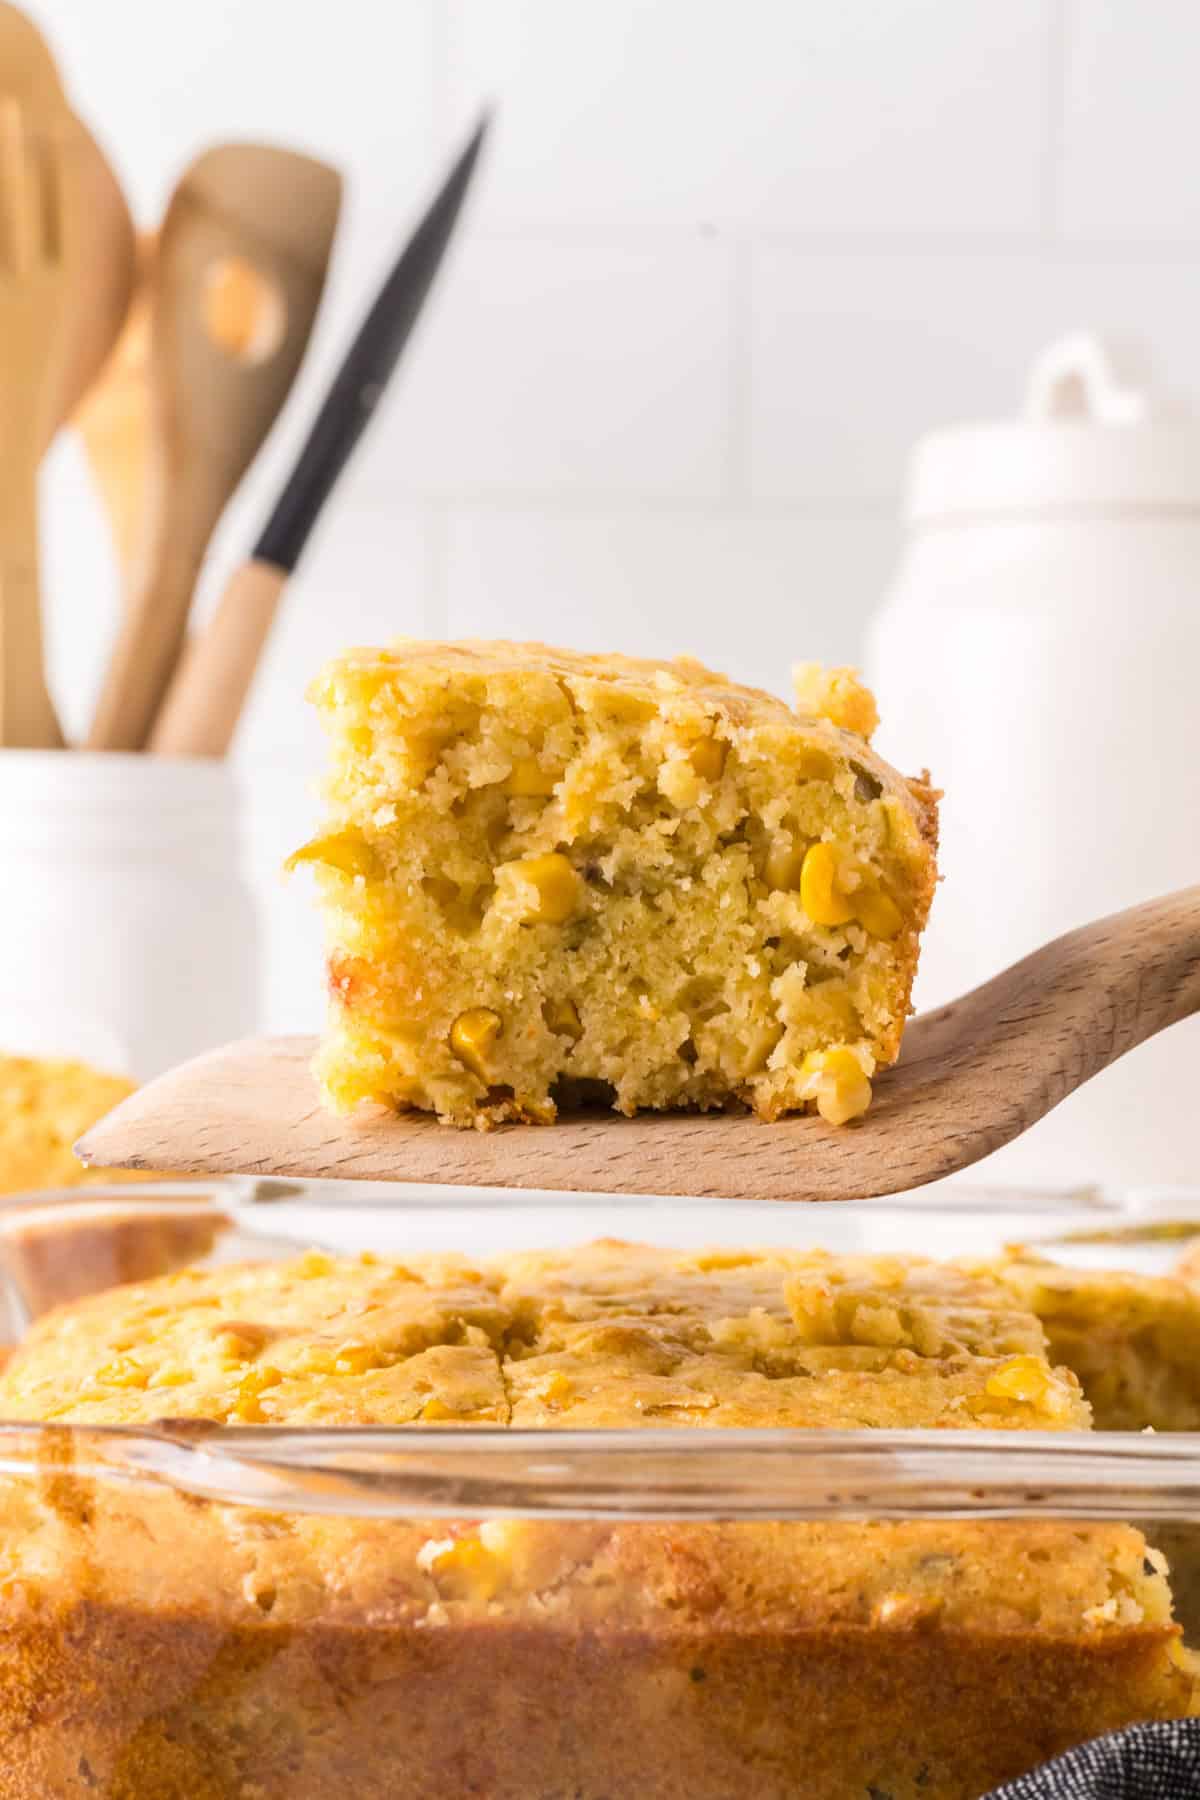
(663, 1474)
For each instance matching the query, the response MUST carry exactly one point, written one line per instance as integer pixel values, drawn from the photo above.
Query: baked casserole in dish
(598, 1521)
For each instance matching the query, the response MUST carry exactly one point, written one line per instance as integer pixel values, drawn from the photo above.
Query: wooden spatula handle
(204, 702)
(27, 717)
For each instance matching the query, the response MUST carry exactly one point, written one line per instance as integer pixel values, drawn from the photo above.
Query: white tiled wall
(726, 262)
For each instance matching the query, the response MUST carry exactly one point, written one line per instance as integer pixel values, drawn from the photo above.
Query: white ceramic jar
(127, 934)
(1040, 650)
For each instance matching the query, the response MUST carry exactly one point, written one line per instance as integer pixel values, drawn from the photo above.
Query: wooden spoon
(973, 1076)
(101, 262)
(240, 266)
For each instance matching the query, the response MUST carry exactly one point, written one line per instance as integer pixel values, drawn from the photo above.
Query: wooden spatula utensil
(32, 292)
(97, 240)
(99, 254)
(972, 1077)
(240, 266)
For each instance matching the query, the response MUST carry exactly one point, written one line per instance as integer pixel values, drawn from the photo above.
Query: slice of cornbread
(1132, 1339)
(549, 876)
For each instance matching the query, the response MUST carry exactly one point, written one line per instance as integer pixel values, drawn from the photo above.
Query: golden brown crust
(609, 1333)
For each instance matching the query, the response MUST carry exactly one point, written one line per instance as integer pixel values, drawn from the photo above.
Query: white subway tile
(868, 115)
(749, 595)
(854, 357)
(1131, 131)
(159, 82)
(563, 369)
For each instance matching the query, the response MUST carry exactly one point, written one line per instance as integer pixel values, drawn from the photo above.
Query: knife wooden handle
(205, 699)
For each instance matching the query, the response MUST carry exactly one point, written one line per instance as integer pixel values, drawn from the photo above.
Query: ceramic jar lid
(1095, 436)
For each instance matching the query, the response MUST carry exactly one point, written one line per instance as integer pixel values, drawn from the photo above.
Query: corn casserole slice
(550, 877)
(159, 1647)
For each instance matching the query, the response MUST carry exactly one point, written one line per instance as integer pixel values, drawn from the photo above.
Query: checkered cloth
(1146, 1762)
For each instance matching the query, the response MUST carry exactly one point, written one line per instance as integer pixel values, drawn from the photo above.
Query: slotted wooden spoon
(973, 1076)
(238, 273)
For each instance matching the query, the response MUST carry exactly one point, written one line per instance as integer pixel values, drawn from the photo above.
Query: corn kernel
(357, 1359)
(878, 913)
(820, 894)
(528, 779)
(812, 764)
(555, 1389)
(122, 1372)
(472, 1037)
(462, 1567)
(562, 1017)
(437, 1409)
(170, 1376)
(313, 1264)
(555, 887)
(239, 1342)
(835, 694)
(784, 864)
(838, 1084)
(708, 758)
(246, 1406)
(344, 851)
(1024, 1378)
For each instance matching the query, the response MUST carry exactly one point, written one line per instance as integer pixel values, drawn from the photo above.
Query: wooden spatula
(96, 229)
(972, 1077)
(32, 291)
(240, 266)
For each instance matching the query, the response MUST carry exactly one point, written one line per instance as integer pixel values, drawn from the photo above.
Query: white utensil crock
(127, 934)
(1040, 650)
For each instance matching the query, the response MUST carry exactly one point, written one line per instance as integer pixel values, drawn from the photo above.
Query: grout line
(674, 235)
(881, 246)
(1058, 51)
(437, 510)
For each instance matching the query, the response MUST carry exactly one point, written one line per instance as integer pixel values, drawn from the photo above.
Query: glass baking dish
(204, 1611)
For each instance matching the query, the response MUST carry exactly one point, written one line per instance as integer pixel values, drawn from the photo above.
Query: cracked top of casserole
(611, 1334)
